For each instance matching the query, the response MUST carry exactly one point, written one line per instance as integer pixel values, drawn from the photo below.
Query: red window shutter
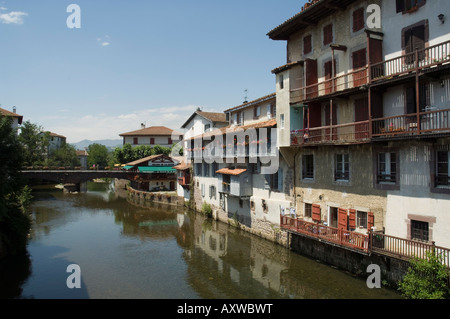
(307, 44)
(342, 219)
(370, 220)
(352, 218)
(358, 19)
(328, 34)
(152, 140)
(316, 216)
(135, 140)
(169, 141)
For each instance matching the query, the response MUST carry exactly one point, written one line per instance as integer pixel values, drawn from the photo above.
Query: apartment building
(237, 169)
(363, 115)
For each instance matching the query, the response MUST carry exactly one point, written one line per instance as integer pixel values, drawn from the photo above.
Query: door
(172, 185)
(328, 134)
(376, 57)
(330, 85)
(311, 78)
(359, 61)
(361, 114)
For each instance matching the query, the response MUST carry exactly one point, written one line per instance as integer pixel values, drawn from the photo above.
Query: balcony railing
(335, 84)
(409, 124)
(426, 58)
(365, 243)
(338, 134)
(405, 248)
(344, 238)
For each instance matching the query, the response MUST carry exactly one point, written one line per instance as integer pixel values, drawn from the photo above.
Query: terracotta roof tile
(231, 171)
(182, 166)
(12, 114)
(152, 130)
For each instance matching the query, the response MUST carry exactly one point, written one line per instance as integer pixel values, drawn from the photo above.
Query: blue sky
(135, 61)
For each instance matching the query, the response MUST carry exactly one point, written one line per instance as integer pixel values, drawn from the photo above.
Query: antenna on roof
(245, 96)
(143, 125)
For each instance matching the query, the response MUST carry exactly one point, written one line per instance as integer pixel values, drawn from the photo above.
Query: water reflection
(141, 250)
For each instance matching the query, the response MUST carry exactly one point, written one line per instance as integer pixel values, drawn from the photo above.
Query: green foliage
(426, 279)
(206, 209)
(14, 196)
(98, 155)
(35, 143)
(128, 153)
(65, 156)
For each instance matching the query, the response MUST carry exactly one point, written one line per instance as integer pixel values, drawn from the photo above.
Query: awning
(152, 169)
(156, 169)
(231, 171)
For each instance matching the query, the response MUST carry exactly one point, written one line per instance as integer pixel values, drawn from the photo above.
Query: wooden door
(311, 78)
(361, 114)
(359, 61)
(328, 136)
(316, 215)
(330, 85)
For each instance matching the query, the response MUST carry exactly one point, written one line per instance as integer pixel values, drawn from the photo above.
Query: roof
(56, 135)
(149, 158)
(230, 129)
(12, 114)
(231, 171)
(310, 14)
(254, 102)
(151, 131)
(214, 117)
(182, 166)
(287, 66)
(82, 153)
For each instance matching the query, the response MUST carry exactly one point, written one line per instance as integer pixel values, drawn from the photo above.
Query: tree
(35, 143)
(14, 194)
(66, 155)
(98, 155)
(427, 278)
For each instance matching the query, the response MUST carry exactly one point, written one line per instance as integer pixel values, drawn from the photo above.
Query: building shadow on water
(47, 276)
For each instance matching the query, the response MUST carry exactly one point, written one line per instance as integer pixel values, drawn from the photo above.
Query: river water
(135, 251)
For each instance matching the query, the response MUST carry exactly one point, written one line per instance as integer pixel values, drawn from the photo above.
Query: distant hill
(108, 143)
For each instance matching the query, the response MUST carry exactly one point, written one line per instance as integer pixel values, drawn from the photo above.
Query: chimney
(14, 109)
(142, 125)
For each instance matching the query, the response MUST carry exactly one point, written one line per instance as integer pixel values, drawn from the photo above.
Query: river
(130, 251)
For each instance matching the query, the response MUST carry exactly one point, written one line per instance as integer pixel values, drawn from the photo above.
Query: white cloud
(107, 126)
(104, 41)
(13, 17)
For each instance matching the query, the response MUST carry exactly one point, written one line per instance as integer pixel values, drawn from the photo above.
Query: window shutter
(316, 216)
(370, 220)
(358, 19)
(352, 218)
(400, 6)
(307, 44)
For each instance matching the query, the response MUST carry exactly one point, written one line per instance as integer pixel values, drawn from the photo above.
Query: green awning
(127, 167)
(156, 169)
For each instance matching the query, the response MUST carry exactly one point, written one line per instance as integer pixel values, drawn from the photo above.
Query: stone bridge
(76, 177)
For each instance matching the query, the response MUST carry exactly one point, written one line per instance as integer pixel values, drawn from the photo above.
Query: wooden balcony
(349, 133)
(426, 59)
(431, 122)
(365, 243)
(344, 238)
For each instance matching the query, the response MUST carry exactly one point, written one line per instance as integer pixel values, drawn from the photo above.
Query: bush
(426, 279)
(206, 209)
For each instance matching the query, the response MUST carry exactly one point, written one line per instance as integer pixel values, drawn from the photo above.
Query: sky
(135, 61)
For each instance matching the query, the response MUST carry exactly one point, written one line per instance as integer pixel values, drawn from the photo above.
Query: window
(442, 169)
(198, 169)
(135, 140)
(405, 5)
(361, 219)
(414, 38)
(308, 166)
(281, 81)
(152, 140)
(206, 169)
(342, 167)
(419, 230)
(212, 191)
(307, 44)
(207, 127)
(169, 141)
(308, 210)
(256, 112)
(358, 19)
(387, 168)
(274, 181)
(328, 34)
(281, 121)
